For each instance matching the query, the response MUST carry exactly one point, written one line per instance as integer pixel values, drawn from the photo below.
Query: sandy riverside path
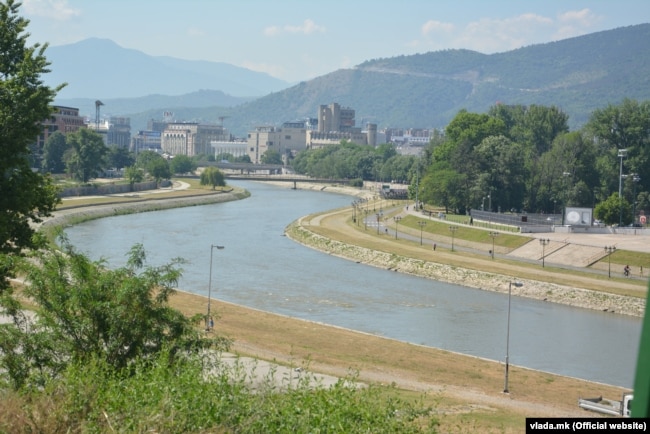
(304, 231)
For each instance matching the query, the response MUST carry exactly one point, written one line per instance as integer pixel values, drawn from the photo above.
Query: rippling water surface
(261, 268)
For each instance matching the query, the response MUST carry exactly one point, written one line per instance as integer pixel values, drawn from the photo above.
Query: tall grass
(202, 395)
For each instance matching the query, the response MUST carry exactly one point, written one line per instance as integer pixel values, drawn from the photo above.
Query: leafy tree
(87, 311)
(25, 196)
(53, 153)
(87, 160)
(271, 156)
(213, 176)
(145, 157)
(133, 174)
(613, 210)
(159, 169)
(119, 157)
(502, 172)
(623, 126)
(243, 159)
(182, 164)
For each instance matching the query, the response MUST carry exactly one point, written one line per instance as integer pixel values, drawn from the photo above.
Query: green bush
(160, 396)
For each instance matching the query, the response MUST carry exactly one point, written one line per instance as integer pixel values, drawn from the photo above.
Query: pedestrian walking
(434, 247)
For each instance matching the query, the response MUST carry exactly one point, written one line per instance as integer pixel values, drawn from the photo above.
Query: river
(261, 268)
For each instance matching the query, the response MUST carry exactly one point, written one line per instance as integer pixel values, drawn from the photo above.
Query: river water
(263, 269)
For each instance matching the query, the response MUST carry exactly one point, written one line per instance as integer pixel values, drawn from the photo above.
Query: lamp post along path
(453, 230)
(421, 223)
(208, 318)
(544, 242)
(518, 285)
(493, 235)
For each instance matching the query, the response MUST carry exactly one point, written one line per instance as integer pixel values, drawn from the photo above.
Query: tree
(119, 157)
(159, 169)
(182, 164)
(133, 174)
(271, 156)
(613, 210)
(145, 157)
(87, 158)
(212, 176)
(25, 195)
(53, 153)
(87, 311)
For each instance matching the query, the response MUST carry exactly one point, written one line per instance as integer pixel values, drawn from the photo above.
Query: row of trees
(521, 158)
(83, 156)
(525, 158)
(351, 161)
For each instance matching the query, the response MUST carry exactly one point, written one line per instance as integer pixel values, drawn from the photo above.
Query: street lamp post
(621, 154)
(422, 224)
(544, 242)
(397, 219)
(207, 318)
(518, 285)
(453, 230)
(635, 178)
(493, 235)
(609, 250)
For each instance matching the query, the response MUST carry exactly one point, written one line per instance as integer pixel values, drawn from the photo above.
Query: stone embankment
(539, 290)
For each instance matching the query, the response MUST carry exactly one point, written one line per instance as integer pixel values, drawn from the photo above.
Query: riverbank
(330, 233)
(74, 213)
(464, 390)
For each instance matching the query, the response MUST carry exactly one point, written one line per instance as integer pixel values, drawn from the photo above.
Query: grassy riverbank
(465, 391)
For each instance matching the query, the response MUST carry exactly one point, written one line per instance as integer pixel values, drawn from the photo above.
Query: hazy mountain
(101, 69)
(155, 104)
(427, 90)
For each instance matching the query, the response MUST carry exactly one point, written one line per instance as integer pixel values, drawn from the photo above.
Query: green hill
(426, 90)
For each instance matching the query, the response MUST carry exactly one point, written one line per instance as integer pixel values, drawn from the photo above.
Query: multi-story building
(286, 140)
(332, 125)
(336, 124)
(64, 119)
(191, 138)
(119, 132)
(235, 148)
(146, 141)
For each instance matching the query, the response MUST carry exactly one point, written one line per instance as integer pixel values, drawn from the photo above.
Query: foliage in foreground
(86, 311)
(176, 397)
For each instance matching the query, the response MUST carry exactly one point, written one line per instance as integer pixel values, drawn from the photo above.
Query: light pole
(207, 318)
(453, 230)
(518, 285)
(422, 224)
(621, 154)
(493, 235)
(610, 250)
(544, 242)
(635, 178)
(397, 219)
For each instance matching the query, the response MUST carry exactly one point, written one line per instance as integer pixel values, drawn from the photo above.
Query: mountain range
(578, 75)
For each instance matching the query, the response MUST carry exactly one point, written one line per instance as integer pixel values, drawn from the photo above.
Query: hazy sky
(301, 39)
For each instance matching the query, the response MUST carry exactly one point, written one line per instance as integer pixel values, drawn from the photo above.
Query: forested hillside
(577, 75)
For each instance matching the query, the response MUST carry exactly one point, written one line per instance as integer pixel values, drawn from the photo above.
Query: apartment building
(64, 119)
(287, 140)
(190, 138)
